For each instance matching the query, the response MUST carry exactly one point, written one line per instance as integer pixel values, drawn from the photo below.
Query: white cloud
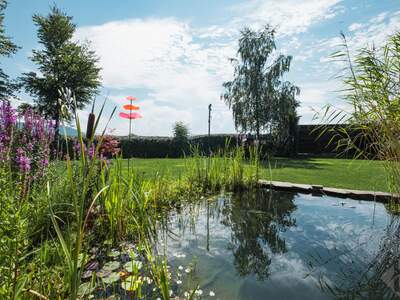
(179, 69)
(355, 26)
(180, 76)
(291, 16)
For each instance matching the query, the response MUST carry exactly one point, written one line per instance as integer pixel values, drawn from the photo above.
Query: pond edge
(320, 190)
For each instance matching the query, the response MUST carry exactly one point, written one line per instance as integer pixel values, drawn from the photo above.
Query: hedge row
(308, 140)
(159, 147)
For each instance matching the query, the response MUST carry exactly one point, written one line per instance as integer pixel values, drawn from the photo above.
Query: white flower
(212, 294)
(199, 292)
(180, 268)
(179, 275)
(179, 281)
(187, 270)
(186, 294)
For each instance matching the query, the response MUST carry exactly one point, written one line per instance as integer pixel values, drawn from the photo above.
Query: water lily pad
(92, 265)
(85, 289)
(132, 265)
(103, 273)
(128, 245)
(114, 253)
(87, 274)
(111, 266)
(113, 277)
(131, 283)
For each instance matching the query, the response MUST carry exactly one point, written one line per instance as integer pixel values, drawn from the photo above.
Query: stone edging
(320, 190)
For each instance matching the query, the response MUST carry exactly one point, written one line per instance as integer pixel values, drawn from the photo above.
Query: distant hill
(69, 130)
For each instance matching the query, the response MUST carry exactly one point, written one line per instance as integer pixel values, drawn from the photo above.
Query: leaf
(113, 277)
(111, 266)
(85, 289)
(131, 283)
(133, 265)
(114, 253)
(103, 273)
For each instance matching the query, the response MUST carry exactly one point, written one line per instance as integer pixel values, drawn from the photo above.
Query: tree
(181, 135)
(24, 107)
(63, 64)
(259, 98)
(7, 48)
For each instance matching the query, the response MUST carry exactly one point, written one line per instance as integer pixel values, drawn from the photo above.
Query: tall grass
(228, 169)
(372, 89)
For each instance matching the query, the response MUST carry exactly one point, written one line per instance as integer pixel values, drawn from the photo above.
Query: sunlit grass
(330, 172)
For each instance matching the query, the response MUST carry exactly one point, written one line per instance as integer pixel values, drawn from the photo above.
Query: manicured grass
(329, 172)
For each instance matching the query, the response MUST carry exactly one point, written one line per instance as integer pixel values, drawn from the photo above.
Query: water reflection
(283, 245)
(256, 221)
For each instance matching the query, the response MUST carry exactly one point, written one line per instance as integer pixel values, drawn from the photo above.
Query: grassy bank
(330, 172)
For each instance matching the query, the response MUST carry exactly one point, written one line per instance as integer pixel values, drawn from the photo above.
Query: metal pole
(130, 130)
(209, 128)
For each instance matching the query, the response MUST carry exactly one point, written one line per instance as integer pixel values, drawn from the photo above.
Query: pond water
(281, 245)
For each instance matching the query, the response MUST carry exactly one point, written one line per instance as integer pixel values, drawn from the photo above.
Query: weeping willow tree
(261, 101)
(372, 91)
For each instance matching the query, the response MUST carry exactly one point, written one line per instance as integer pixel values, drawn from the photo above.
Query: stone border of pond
(320, 190)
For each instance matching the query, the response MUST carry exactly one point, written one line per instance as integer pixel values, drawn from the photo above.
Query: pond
(281, 245)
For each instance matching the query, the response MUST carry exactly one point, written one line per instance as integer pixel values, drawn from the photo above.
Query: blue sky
(173, 55)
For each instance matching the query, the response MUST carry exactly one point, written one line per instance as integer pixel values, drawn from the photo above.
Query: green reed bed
(87, 229)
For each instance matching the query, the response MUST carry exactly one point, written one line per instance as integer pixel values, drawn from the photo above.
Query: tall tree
(181, 136)
(7, 48)
(63, 64)
(259, 98)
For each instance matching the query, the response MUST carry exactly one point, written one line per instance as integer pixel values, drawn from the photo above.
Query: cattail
(90, 124)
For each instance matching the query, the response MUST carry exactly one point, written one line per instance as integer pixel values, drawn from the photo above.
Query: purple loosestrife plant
(26, 148)
(8, 119)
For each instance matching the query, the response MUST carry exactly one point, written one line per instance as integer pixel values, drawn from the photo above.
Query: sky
(173, 55)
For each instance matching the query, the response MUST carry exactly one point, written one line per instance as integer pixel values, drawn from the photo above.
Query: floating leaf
(92, 265)
(111, 266)
(133, 265)
(114, 253)
(103, 273)
(85, 289)
(131, 283)
(87, 274)
(113, 277)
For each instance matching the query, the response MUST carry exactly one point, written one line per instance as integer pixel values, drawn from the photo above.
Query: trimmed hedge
(307, 142)
(160, 147)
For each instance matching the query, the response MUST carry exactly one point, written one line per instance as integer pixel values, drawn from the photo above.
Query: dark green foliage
(159, 147)
(181, 136)
(260, 100)
(7, 48)
(63, 64)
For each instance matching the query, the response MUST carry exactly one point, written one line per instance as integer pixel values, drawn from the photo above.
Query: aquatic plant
(371, 91)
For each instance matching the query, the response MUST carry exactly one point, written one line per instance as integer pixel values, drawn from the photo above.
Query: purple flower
(44, 163)
(24, 164)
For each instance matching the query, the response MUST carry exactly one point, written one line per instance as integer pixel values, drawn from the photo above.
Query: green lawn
(329, 172)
